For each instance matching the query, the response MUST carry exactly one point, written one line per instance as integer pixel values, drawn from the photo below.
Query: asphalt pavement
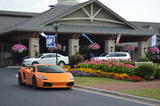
(11, 94)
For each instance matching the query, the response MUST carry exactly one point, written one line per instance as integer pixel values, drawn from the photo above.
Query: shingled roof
(11, 18)
(41, 22)
(154, 27)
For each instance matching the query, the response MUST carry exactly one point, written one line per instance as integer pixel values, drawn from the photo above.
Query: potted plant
(129, 48)
(94, 46)
(58, 47)
(18, 48)
(154, 50)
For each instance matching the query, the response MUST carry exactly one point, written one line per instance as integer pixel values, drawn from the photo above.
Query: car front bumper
(55, 84)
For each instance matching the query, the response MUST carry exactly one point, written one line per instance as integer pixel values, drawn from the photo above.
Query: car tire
(20, 79)
(61, 63)
(34, 83)
(35, 63)
(69, 88)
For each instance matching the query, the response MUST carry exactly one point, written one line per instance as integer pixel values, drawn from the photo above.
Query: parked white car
(114, 56)
(46, 58)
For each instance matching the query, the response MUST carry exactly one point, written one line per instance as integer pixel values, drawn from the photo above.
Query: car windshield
(39, 56)
(50, 69)
(103, 54)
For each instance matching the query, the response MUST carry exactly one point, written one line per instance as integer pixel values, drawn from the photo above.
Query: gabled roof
(42, 22)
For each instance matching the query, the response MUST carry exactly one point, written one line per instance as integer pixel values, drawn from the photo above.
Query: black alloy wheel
(34, 83)
(20, 79)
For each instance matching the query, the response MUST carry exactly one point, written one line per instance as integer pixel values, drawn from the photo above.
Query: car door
(46, 59)
(53, 59)
(28, 76)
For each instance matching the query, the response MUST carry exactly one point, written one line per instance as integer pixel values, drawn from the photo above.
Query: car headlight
(44, 78)
(71, 77)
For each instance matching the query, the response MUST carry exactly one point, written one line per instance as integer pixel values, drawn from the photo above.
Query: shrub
(145, 59)
(75, 59)
(128, 62)
(145, 71)
(134, 78)
(157, 73)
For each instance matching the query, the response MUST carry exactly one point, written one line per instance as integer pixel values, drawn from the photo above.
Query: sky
(131, 10)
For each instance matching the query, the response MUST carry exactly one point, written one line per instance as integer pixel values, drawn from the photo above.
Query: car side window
(46, 56)
(112, 55)
(53, 55)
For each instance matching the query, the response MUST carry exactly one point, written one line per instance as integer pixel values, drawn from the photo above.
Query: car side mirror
(31, 69)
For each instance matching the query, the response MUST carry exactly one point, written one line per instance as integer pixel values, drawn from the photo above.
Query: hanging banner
(153, 40)
(118, 39)
(50, 40)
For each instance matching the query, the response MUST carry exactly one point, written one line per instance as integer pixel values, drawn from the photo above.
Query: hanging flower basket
(18, 48)
(154, 50)
(128, 48)
(94, 46)
(58, 47)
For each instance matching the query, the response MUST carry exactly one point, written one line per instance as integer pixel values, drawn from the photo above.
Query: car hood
(57, 76)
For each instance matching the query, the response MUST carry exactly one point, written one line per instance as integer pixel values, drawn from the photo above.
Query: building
(92, 17)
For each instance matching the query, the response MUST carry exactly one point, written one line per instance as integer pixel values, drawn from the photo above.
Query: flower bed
(97, 68)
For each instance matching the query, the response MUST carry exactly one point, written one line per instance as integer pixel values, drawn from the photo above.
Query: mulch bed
(129, 85)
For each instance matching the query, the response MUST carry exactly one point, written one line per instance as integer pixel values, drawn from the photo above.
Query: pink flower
(75, 66)
(94, 46)
(110, 65)
(86, 61)
(16, 47)
(129, 48)
(153, 50)
(129, 66)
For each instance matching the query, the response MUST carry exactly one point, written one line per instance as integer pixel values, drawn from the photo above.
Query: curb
(136, 98)
(13, 66)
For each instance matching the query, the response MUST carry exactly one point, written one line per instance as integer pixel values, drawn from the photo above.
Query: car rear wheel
(61, 63)
(34, 83)
(20, 79)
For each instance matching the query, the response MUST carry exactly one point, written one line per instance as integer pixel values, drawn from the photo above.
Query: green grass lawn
(95, 80)
(153, 93)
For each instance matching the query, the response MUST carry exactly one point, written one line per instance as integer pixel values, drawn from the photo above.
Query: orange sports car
(45, 76)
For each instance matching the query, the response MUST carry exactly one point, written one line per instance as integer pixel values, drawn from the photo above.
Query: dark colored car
(155, 58)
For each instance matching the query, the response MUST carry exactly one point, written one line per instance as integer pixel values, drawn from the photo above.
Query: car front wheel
(34, 83)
